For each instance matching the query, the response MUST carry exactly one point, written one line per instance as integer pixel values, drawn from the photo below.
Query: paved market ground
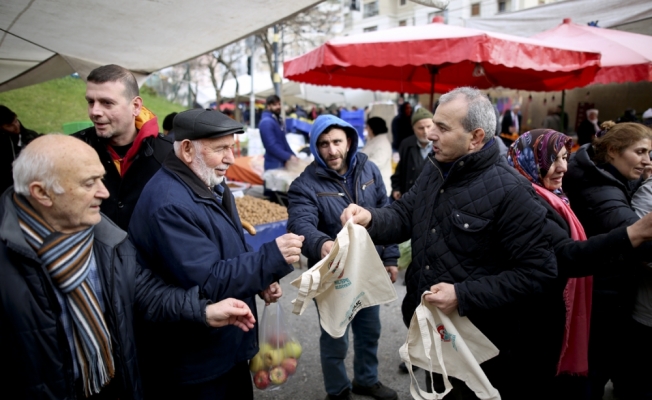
(307, 383)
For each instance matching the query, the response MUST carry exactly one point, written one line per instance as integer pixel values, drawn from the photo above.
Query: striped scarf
(67, 258)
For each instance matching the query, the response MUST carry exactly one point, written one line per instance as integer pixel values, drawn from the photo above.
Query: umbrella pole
(433, 72)
(563, 108)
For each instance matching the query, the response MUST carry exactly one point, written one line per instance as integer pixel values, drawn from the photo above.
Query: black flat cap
(203, 124)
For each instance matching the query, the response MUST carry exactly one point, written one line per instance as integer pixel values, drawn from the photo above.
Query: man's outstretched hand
(360, 215)
(230, 312)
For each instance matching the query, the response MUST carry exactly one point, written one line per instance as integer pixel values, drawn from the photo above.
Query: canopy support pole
(433, 71)
(563, 109)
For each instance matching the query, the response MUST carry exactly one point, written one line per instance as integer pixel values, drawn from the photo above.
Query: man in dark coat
(340, 176)
(125, 136)
(13, 138)
(477, 240)
(186, 229)
(402, 125)
(48, 303)
(412, 153)
(510, 127)
(588, 127)
(272, 133)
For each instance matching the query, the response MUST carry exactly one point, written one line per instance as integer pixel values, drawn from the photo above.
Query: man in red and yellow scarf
(125, 136)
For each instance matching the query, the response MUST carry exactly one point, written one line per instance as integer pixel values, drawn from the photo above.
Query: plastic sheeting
(45, 39)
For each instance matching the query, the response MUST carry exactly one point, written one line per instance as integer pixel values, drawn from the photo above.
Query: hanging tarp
(45, 39)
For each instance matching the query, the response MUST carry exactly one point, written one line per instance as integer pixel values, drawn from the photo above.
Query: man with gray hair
(186, 228)
(70, 286)
(477, 241)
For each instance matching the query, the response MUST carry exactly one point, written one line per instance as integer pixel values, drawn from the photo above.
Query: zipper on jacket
(364, 185)
(324, 194)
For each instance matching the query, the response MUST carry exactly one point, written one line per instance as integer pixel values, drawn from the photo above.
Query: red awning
(406, 59)
(626, 57)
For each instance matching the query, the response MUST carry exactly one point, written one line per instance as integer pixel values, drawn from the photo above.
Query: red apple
(261, 379)
(277, 339)
(289, 365)
(277, 375)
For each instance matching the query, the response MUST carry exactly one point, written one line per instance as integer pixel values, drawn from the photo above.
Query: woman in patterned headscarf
(541, 156)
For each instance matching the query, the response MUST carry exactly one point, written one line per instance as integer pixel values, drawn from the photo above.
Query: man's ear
(187, 151)
(137, 104)
(477, 139)
(39, 194)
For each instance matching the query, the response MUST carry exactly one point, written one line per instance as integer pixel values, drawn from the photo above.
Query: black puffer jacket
(601, 201)
(481, 229)
(124, 192)
(33, 343)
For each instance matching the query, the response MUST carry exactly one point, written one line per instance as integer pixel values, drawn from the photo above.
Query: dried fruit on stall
(259, 211)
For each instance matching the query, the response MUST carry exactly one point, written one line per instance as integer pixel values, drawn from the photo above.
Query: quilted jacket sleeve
(530, 260)
(388, 253)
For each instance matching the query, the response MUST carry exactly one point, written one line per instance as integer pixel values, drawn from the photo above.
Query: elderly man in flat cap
(186, 228)
(70, 287)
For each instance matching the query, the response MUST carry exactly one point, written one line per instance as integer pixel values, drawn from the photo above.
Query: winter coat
(186, 237)
(409, 165)
(586, 132)
(318, 196)
(277, 149)
(10, 147)
(601, 202)
(379, 151)
(481, 229)
(33, 342)
(401, 126)
(125, 191)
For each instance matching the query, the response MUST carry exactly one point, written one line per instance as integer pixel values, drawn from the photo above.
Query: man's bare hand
(393, 272)
(443, 297)
(272, 293)
(230, 312)
(360, 215)
(326, 248)
(290, 247)
(396, 194)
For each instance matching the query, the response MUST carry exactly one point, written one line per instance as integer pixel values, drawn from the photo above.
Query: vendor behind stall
(272, 132)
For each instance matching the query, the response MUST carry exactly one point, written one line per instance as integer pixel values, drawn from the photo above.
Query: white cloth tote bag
(450, 346)
(351, 277)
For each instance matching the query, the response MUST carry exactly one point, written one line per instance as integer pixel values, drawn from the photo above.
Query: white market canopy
(629, 15)
(45, 39)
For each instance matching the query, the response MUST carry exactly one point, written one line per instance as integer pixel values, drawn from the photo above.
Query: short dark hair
(116, 73)
(272, 99)
(167, 122)
(6, 115)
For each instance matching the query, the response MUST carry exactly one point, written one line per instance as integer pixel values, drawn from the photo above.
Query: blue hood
(324, 121)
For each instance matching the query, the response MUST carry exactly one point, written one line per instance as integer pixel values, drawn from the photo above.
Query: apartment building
(371, 15)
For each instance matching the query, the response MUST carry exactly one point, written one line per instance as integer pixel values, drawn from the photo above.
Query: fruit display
(275, 362)
(259, 211)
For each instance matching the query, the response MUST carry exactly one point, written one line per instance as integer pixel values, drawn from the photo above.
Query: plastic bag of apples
(278, 353)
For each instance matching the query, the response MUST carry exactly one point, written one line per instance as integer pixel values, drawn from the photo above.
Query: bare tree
(302, 32)
(221, 64)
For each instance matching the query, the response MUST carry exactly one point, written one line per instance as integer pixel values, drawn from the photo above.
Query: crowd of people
(126, 273)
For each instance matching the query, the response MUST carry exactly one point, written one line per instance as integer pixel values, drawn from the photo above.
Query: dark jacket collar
(471, 164)
(175, 165)
(105, 232)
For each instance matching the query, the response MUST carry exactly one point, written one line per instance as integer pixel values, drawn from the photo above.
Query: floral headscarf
(535, 151)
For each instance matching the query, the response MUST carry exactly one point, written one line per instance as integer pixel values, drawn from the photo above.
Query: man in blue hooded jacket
(340, 176)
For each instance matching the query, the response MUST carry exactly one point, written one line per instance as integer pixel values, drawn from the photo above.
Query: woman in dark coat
(599, 184)
(541, 156)
(402, 125)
